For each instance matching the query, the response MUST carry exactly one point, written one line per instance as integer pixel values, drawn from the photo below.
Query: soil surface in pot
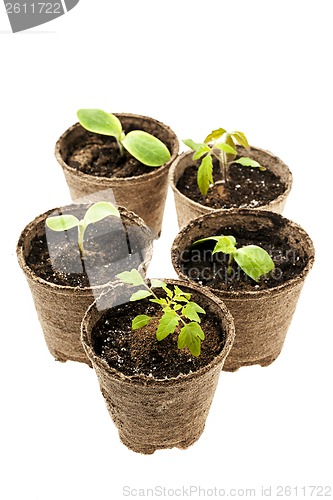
(99, 155)
(109, 248)
(135, 352)
(246, 188)
(201, 266)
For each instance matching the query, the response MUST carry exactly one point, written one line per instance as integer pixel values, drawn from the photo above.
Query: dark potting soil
(246, 187)
(201, 266)
(109, 248)
(99, 155)
(135, 352)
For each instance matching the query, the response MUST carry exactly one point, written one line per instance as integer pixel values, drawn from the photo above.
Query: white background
(261, 67)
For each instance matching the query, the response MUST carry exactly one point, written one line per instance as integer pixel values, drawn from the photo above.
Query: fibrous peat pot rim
(126, 214)
(144, 379)
(156, 172)
(153, 413)
(226, 216)
(176, 171)
(60, 307)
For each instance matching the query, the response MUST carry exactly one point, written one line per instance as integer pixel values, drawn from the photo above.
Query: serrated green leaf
(223, 146)
(168, 291)
(155, 283)
(161, 302)
(216, 134)
(177, 307)
(146, 148)
(140, 321)
(132, 277)
(62, 222)
(240, 138)
(193, 145)
(202, 150)
(190, 336)
(167, 325)
(100, 122)
(99, 211)
(140, 294)
(205, 175)
(225, 244)
(254, 261)
(179, 291)
(180, 298)
(248, 162)
(191, 311)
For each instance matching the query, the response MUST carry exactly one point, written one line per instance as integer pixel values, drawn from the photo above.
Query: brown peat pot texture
(188, 209)
(155, 413)
(262, 311)
(61, 291)
(94, 169)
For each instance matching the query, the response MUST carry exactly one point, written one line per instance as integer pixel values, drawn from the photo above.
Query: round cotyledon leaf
(100, 122)
(62, 222)
(146, 148)
(254, 261)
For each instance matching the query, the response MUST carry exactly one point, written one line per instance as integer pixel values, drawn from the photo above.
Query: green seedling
(177, 309)
(253, 260)
(143, 146)
(224, 150)
(95, 213)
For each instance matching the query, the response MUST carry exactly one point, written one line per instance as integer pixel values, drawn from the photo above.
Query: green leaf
(146, 148)
(248, 162)
(177, 307)
(157, 283)
(226, 244)
(140, 321)
(99, 211)
(131, 277)
(205, 175)
(62, 222)
(226, 148)
(193, 145)
(140, 294)
(191, 311)
(216, 134)
(168, 292)
(179, 292)
(161, 302)
(190, 336)
(229, 140)
(167, 324)
(100, 122)
(240, 138)
(202, 150)
(254, 261)
(202, 240)
(180, 299)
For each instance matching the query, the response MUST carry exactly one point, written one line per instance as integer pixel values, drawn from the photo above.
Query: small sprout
(253, 260)
(95, 213)
(143, 146)
(224, 150)
(177, 309)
